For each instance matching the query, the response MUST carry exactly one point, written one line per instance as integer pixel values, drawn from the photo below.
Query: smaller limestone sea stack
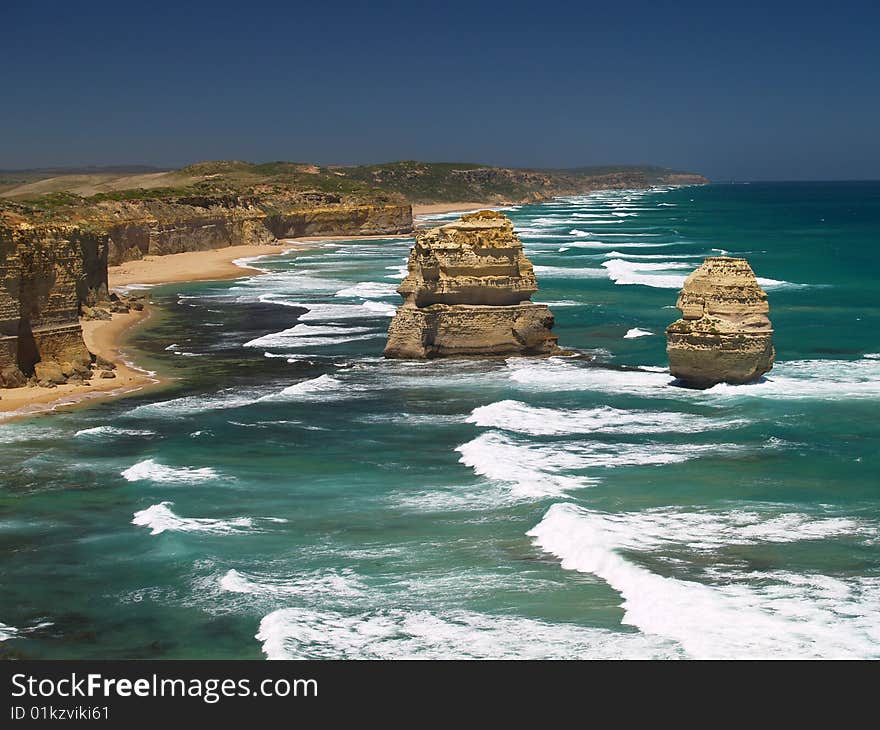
(467, 292)
(724, 335)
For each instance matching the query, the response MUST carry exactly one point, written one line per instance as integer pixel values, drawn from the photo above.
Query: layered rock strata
(467, 292)
(53, 266)
(724, 334)
(41, 282)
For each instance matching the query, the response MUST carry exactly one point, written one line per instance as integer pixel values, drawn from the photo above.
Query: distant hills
(412, 181)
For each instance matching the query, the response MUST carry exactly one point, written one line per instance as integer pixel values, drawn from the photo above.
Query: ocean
(295, 495)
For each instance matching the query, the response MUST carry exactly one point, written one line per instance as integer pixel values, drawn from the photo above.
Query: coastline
(102, 337)
(210, 265)
(107, 338)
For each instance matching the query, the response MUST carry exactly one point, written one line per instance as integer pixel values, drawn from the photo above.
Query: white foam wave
(333, 312)
(159, 518)
(382, 308)
(636, 272)
(512, 415)
(564, 272)
(301, 633)
(636, 332)
(399, 272)
(10, 632)
(153, 471)
(192, 404)
(302, 335)
(793, 379)
(648, 256)
(113, 431)
(616, 244)
(323, 387)
(727, 621)
(328, 583)
(810, 379)
(496, 457)
(368, 290)
(557, 374)
(539, 470)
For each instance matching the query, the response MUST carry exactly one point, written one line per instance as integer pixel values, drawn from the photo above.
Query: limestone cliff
(54, 259)
(42, 281)
(724, 334)
(158, 227)
(467, 292)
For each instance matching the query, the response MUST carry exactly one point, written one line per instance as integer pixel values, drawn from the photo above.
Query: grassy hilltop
(52, 191)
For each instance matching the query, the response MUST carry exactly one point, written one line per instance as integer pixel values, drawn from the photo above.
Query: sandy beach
(107, 337)
(210, 265)
(104, 338)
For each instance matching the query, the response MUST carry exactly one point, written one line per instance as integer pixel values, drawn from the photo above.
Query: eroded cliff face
(343, 220)
(45, 272)
(53, 266)
(467, 292)
(159, 227)
(724, 335)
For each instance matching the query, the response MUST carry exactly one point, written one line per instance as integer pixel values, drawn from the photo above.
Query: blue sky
(771, 90)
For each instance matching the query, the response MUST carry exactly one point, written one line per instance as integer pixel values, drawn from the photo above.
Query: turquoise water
(295, 495)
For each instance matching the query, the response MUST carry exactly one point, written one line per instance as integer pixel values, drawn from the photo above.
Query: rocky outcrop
(467, 292)
(724, 335)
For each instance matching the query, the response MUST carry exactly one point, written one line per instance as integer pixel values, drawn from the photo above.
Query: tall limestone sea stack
(467, 292)
(724, 335)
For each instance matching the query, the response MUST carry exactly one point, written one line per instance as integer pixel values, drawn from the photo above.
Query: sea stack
(724, 335)
(467, 292)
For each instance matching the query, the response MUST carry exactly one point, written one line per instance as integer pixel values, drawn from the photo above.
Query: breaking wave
(518, 417)
(113, 431)
(152, 471)
(786, 616)
(303, 633)
(159, 518)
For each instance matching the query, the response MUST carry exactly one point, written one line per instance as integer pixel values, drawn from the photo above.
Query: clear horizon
(752, 94)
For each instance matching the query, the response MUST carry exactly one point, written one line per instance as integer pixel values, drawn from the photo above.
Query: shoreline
(102, 337)
(107, 338)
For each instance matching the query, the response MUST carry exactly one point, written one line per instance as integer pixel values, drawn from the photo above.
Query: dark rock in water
(724, 335)
(467, 292)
